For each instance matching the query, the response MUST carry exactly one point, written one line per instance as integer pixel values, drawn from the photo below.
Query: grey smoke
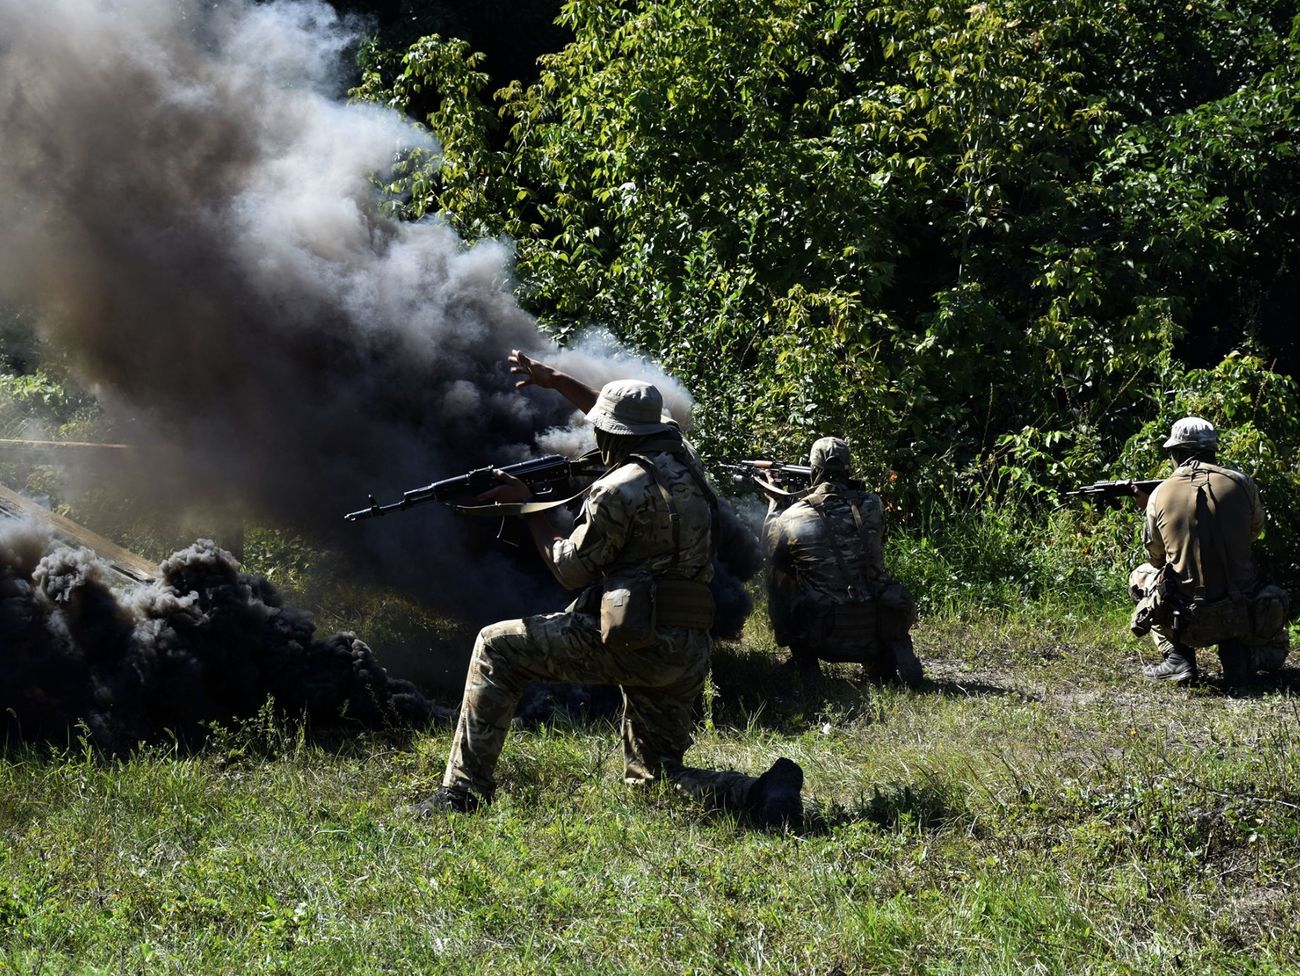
(197, 229)
(186, 203)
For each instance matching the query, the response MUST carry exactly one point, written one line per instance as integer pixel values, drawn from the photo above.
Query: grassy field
(1036, 808)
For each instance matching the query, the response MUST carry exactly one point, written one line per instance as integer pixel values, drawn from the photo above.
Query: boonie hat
(629, 407)
(1192, 432)
(829, 453)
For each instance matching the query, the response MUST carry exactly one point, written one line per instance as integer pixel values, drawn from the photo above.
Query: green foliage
(978, 239)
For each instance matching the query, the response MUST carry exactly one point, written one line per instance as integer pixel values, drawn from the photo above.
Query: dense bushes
(999, 245)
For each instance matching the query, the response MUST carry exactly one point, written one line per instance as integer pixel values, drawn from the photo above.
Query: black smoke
(204, 643)
(188, 208)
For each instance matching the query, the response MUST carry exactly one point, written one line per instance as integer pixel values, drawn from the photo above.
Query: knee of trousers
(499, 645)
(1140, 580)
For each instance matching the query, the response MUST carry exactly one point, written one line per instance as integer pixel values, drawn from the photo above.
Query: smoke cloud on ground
(204, 643)
(187, 206)
(190, 212)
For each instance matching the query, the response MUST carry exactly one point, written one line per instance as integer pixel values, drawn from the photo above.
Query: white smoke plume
(186, 202)
(187, 206)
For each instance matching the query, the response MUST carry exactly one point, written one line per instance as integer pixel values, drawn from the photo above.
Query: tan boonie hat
(830, 454)
(629, 407)
(1192, 432)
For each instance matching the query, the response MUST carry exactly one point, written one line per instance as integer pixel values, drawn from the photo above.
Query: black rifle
(1105, 491)
(787, 479)
(544, 475)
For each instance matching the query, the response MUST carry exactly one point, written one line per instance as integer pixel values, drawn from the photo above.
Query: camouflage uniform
(825, 555)
(623, 532)
(1201, 522)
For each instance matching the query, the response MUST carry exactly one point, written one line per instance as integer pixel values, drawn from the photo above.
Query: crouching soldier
(1201, 586)
(642, 555)
(829, 597)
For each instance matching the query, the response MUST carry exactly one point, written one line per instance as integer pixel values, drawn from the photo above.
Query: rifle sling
(514, 509)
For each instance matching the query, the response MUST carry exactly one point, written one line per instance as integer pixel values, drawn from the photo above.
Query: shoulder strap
(674, 516)
(846, 574)
(510, 509)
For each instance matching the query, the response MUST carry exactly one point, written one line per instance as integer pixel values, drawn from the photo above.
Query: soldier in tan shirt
(1201, 586)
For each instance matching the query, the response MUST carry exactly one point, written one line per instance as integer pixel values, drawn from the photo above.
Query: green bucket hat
(629, 407)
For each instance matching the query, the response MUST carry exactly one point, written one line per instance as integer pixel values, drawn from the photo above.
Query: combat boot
(774, 801)
(447, 799)
(907, 663)
(1237, 662)
(1179, 666)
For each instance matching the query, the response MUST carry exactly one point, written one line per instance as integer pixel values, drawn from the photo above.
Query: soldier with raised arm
(1201, 586)
(641, 556)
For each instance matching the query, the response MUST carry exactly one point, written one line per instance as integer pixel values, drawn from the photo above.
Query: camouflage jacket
(1203, 519)
(624, 528)
(801, 546)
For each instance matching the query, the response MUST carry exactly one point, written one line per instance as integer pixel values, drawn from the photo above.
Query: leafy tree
(979, 239)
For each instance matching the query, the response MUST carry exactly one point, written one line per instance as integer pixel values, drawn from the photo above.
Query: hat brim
(603, 421)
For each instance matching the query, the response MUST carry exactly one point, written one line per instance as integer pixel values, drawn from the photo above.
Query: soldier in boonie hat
(630, 408)
(626, 413)
(1194, 432)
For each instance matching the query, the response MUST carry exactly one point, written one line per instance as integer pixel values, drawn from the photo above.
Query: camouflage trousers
(1254, 652)
(660, 687)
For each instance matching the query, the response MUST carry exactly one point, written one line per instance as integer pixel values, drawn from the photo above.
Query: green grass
(1036, 809)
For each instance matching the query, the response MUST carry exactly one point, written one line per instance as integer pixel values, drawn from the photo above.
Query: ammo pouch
(1200, 624)
(1269, 607)
(895, 612)
(627, 613)
(633, 609)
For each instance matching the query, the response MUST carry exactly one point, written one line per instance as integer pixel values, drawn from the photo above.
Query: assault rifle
(1105, 491)
(784, 482)
(546, 476)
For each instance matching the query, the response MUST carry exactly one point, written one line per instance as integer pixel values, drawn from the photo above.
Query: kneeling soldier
(642, 553)
(1201, 586)
(829, 596)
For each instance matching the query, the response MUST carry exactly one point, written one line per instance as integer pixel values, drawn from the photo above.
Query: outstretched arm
(531, 372)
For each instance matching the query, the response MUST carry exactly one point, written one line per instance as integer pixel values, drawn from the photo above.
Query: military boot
(907, 663)
(1237, 662)
(774, 801)
(447, 799)
(1179, 666)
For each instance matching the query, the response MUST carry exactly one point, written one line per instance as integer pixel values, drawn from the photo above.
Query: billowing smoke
(189, 209)
(205, 643)
(187, 205)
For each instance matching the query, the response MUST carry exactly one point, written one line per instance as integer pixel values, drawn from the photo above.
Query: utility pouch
(853, 623)
(1269, 610)
(1158, 606)
(627, 613)
(683, 603)
(895, 612)
(1200, 624)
